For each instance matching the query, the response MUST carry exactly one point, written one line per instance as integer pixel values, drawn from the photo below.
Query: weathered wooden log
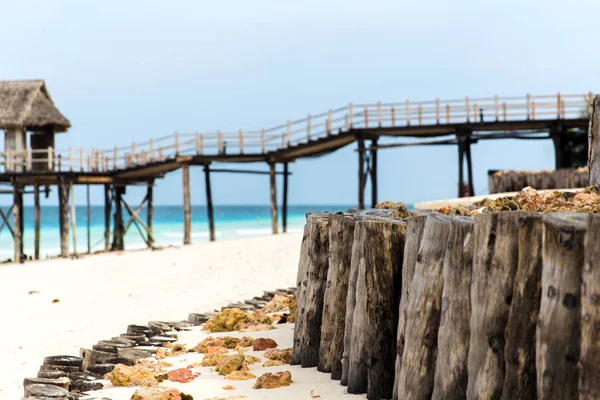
(351, 296)
(414, 235)
(375, 320)
(558, 330)
(63, 216)
(341, 237)
(593, 143)
(451, 377)
(423, 312)
(519, 351)
(312, 274)
(589, 362)
(495, 263)
(187, 208)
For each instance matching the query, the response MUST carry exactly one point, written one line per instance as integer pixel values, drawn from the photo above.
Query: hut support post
(285, 197)
(36, 221)
(361, 173)
(63, 216)
(187, 211)
(373, 172)
(118, 230)
(557, 141)
(461, 156)
(17, 218)
(73, 217)
(273, 198)
(150, 213)
(88, 219)
(469, 166)
(209, 205)
(107, 211)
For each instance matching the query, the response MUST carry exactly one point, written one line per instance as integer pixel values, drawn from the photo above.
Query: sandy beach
(98, 296)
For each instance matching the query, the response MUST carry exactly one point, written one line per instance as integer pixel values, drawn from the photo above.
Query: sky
(125, 71)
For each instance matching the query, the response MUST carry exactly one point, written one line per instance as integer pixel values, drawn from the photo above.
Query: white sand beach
(98, 296)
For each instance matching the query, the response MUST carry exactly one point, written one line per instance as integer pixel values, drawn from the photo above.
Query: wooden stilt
(150, 213)
(361, 174)
(373, 173)
(63, 216)
(461, 183)
(73, 218)
(17, 208)
(285, 197)
(107, 211)
(469, 167)
(187, 218)
(22, 221)
(36, 221)
(274, 223)
(209, 205)
(118, 230)
(89, 217)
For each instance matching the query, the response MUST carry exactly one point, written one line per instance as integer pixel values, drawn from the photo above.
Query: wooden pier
(460, 122)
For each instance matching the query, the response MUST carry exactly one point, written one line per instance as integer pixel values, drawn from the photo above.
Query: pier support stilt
(284, 209)
(107, 211)
(274, 223)
(373, 173)
(63, 216)
(88, 219)
(469, 167)
(22, 221)
(36, 221)
(73, 217)
(361, 173)
(118, 230)
(461, 182)
(17, 217)
(187, 210)
(150, 213)
(209, 205)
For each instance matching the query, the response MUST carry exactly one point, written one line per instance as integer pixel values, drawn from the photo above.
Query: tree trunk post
(301, 285)
(274, 222)
(17, 221)
(461, 155)
(284, 210)
(63, 215)
(209, 204)
(559, 327)
(361, 173)
(36, 221)
(593, 138)
(469, 166)
(118, 230)
(150, 213)
(373, 172)
(187, 209)
(88, 220)
(107, 212)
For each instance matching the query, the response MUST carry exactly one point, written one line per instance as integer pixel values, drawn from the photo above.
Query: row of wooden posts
(501, 306)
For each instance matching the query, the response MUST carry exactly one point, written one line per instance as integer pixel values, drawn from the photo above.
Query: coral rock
(273, 381)
(212, 360)
(181, 375)
(263, 344)
(137, 375)
(228, 320)
(228, 387)
(240, 376)
(230, 364)
(400, 209)
(293, 305)
(285, 355)
(278, 303)
(272, 363)
(251, 359)
(156, 394)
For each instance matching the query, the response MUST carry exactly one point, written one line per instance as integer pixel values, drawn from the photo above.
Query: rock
(51, 374)
(139, 330)
(157, 394)
(133, 354)
(136, 338)
(227, 342)
(83, 385)
(198, 319)
(230, 364)
(278, 303)
(273, 381)
(137, 375)
(228, 387)
(261, 344)
(64, 360)
(251, 360)
(101, 369)
(47, 392)
(240, 376)
(181, 375)
(293, 305)
(212, 360)
(272, 363)
(400, 209)
(93, 357)
(158, 327)
(58, 382)
(256, 328)
(285, 355)
(234, 319)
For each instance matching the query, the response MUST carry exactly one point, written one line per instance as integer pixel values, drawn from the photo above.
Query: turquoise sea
(231, 222)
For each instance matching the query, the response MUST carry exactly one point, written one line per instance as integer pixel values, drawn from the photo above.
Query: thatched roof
(28, 104)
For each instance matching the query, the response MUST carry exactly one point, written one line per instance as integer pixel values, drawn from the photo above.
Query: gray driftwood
(414, 235)
(593, 145)
(558, 330)
(519, 352)
(450, 382)
(341, 236)
(423, 312)
(302, 283)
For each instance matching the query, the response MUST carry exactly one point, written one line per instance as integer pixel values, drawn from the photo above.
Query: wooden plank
(187, 209)
(137, 220)
(36, 221)
(209, 204)
(274, 221)
(559, 324)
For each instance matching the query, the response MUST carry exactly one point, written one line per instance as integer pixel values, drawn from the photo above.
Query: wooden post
(424, 311)
(284, 209)
(308, 127)
(451, 377)
(73, 217)
(301, 286)
(63, 215)
(273, 198)
(495, 264)
(461, 157)
(118, 229)
(589, 374)
(437, 111)
(467, 108)
(414, 235)
(88, 220)
(209, 205)
(17, 218)
(594, 143)
(36, 221)
(331, 349)
(559, 324)
(519, 353)
(374, 323)
(107, 211)
(407, 111)
(361, 173)
(373, 172)
(150, 212)
(187, 209)
(241, 134)
(469, 165)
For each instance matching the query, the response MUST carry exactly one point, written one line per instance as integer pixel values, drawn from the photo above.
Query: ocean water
(230, 222)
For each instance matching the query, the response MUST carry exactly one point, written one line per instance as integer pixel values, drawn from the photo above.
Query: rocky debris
(234, 319)
(272, 363)
(251, 360)
(400, 209)
(146, 393)
(455, 211)
(273, 381)
(278, 303)
(240, 376)
(227, 342)
(212, 360)
(181, 375)
(284, 355)
(293, 305)
(261, 344)
(230, 364)
(228, 387)
(138, 375)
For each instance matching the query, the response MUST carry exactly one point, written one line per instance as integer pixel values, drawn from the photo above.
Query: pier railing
(292, 133)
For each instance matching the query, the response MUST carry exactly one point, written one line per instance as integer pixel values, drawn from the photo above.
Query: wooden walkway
(458, 122)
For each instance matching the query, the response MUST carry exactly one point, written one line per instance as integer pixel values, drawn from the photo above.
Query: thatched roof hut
(27, 105)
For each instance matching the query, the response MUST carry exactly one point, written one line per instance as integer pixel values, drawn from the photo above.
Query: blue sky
(130, 70)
